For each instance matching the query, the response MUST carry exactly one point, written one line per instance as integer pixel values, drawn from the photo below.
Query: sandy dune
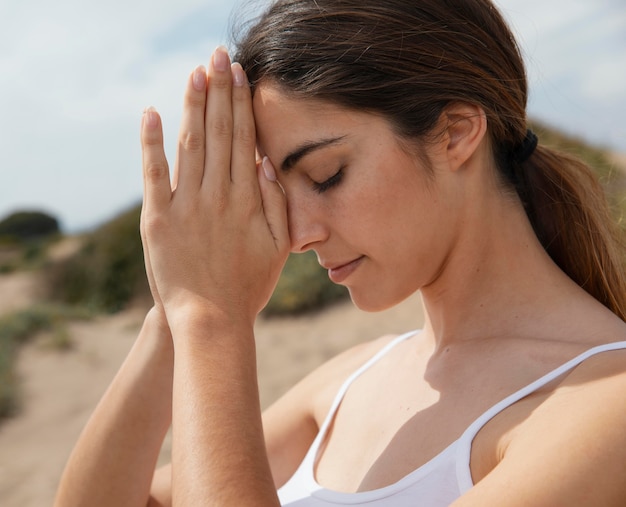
(61, 388)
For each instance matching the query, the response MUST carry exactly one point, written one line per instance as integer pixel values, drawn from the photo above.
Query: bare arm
(114, 458)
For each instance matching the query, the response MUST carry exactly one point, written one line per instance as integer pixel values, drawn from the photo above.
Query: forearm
(218, 451)
(114, 458)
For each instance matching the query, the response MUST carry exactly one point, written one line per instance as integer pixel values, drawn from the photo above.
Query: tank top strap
(349, 381)
(465, 442)
(311, 455)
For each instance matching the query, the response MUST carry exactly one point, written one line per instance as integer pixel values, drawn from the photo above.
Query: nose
(306, 225)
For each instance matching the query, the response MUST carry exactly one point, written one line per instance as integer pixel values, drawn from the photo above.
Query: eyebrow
(305, 149)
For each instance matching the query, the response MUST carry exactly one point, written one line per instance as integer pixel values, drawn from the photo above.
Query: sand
(61, 389)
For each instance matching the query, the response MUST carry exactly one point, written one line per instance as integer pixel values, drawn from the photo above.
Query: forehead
(284, 122)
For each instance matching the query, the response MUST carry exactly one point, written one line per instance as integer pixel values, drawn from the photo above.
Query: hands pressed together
(215, 234)
(215, 239)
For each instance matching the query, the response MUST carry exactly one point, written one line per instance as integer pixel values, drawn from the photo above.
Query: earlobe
(465, 128)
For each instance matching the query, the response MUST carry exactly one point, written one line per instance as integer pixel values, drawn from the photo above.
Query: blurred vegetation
(24, 239)
(303, 286)
(107, 272)
(20, 326)
(27, 225)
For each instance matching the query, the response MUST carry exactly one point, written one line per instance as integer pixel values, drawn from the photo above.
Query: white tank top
(437, 483)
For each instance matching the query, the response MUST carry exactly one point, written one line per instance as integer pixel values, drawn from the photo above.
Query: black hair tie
(523, 152)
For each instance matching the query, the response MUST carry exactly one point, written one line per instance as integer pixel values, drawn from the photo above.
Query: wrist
(208, 322)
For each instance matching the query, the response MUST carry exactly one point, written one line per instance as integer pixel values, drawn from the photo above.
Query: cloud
(575, 59)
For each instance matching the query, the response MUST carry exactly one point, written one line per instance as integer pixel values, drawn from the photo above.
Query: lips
(338, 272)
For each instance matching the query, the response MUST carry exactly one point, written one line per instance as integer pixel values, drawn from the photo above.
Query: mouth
(340, 271)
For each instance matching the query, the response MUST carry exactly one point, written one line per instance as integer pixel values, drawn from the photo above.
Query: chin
(372, 301)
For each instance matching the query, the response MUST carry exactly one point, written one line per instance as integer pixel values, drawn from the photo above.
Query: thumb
(274, 204)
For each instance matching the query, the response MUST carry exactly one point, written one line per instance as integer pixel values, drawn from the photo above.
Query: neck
(497, 279)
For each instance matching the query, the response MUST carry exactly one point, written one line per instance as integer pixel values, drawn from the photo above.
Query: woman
(392, 140)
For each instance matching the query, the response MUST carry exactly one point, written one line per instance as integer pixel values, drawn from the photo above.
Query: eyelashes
(331, 182)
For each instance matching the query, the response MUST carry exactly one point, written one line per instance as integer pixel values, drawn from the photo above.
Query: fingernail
(268, 169)
(220, 59)
(199, 78)
(239, 77)
(151, 117)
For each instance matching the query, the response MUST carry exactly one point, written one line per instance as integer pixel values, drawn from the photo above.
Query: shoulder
(595, 389)
(600, 370)
(571, 448)
(592, 392)
(589, 397)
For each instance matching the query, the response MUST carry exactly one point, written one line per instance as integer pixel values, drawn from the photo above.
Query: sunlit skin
(359, 196)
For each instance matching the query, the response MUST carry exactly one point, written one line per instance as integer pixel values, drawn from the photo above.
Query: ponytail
(567, 208)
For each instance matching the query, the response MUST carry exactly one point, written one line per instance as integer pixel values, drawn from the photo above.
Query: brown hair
(406, 60)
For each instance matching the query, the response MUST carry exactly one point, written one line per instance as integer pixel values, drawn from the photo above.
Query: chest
(400, 416)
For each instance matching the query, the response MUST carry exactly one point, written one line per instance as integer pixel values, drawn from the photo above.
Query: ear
(465, 126)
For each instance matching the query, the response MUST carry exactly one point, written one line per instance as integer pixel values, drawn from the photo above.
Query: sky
(75, 76)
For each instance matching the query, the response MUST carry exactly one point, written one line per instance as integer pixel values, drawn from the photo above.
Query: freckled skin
(384, 208)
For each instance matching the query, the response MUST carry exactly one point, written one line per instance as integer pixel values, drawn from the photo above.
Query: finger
(243, 154)
(156, 177)
(218, 124)
(189, 165)
(274, 205)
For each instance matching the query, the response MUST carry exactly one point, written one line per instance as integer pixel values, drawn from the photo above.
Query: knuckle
(221, 126)
(152, 224)
(241, 95)
(220, 83)
(155, 171)
(192, 141)
(248, 199)
(195, 100)
(245, 133)
(219, 201)
(152, 139)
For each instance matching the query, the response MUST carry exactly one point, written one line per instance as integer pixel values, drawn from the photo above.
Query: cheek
(410, 227)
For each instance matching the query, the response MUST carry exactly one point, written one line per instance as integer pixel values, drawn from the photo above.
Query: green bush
(24, 239)
(303, 286)
(27, 225)
(108, 271)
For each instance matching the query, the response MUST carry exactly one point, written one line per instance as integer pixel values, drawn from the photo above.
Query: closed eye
(331, 182)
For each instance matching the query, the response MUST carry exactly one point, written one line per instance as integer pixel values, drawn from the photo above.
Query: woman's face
(376, 220)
